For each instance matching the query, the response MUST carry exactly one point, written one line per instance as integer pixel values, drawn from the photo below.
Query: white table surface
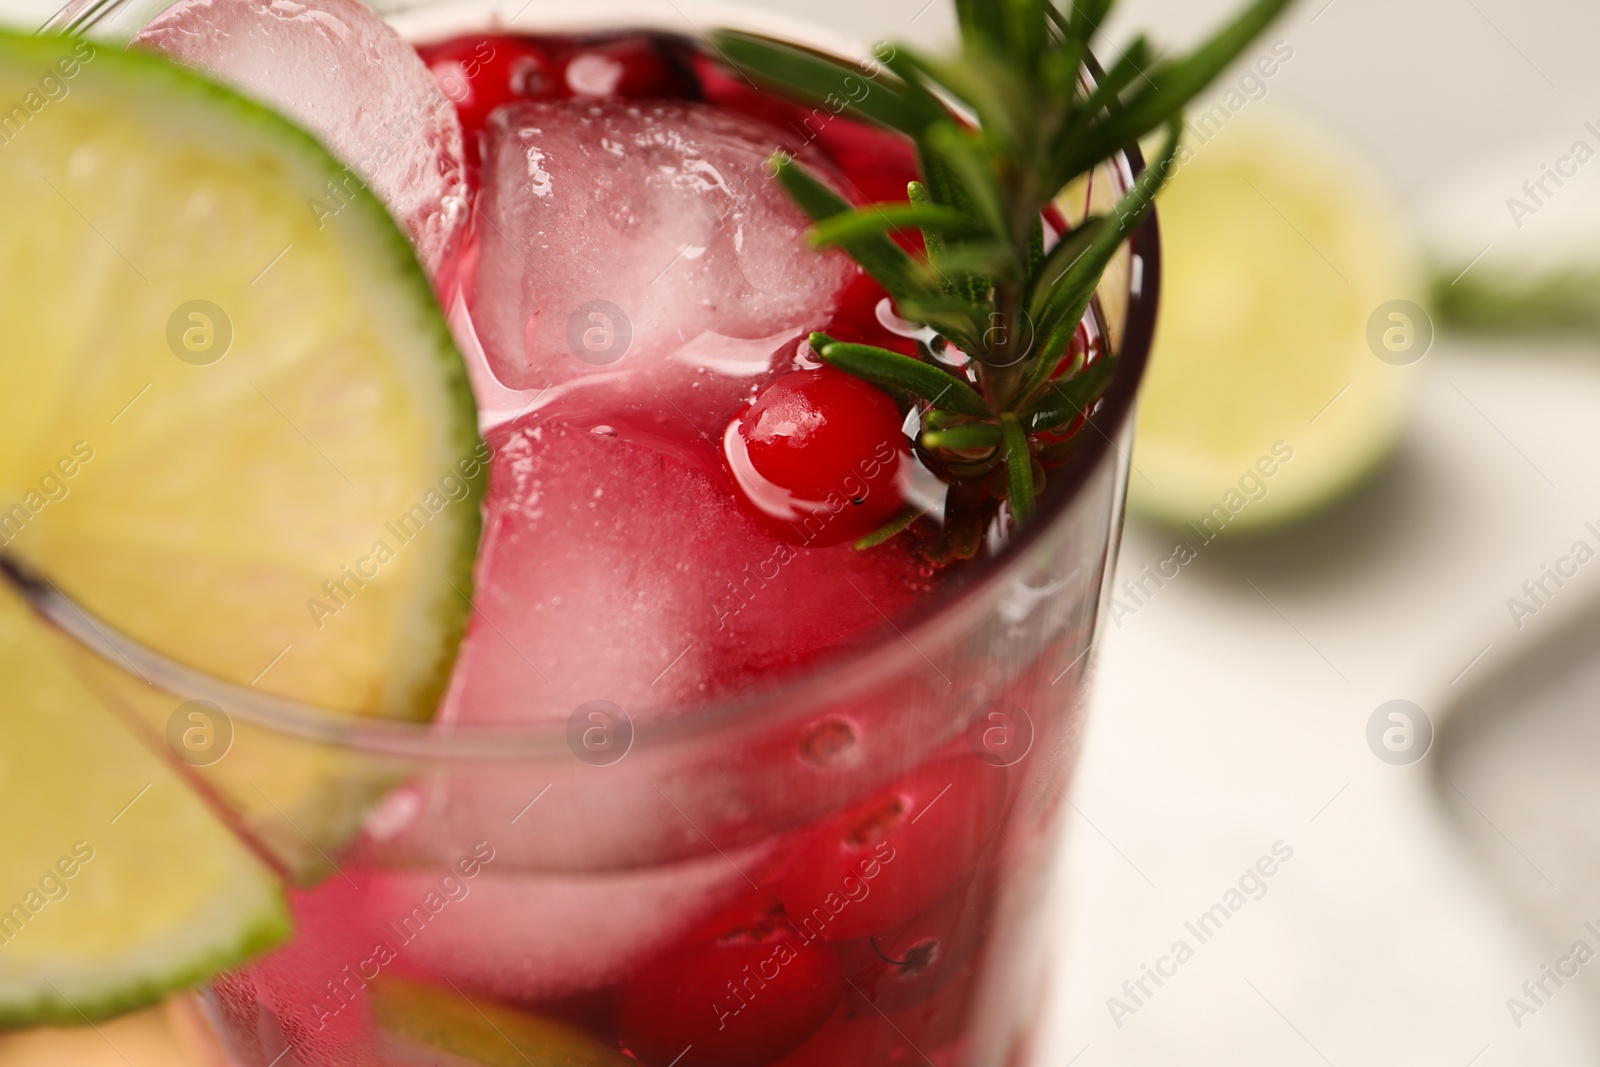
(1224, 723)
(1230, 716)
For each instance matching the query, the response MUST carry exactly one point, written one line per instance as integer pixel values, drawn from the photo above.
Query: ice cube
(337, 69)
(525, 936)
(617, 234)
(618, 568)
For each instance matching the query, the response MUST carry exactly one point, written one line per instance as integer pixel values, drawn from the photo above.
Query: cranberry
(880, 167)
(819, 455)
(876, 866)
(746, 990)
(729, 91)
(861, 1035)
(880, 164)
(479, 74)
(855, 318)
(905, 966)
(631, 67)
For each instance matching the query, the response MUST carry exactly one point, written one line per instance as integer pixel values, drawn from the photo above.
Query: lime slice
(1265, 397)
(119, 885)
(233, 426)
(424, 1023)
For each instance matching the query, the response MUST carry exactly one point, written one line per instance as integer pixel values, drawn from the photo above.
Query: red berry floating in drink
(746, 990)
(480, 74)
(820, 455)
(881, 862)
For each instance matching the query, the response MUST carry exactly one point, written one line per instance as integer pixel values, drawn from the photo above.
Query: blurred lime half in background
(1292, 338)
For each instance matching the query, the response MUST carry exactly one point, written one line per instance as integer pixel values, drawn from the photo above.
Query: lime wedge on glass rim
(214, 411)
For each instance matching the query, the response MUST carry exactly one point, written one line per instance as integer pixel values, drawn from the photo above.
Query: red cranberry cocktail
(724, 776)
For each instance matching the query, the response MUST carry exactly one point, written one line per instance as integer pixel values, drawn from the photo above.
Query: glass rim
(818, 684)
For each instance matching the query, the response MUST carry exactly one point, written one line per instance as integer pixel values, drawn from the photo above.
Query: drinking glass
(504, 886)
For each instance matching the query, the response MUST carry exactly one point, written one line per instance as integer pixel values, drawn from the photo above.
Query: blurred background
(1372, 669)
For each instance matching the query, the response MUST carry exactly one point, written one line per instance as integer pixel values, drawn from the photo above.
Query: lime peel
(213, 405)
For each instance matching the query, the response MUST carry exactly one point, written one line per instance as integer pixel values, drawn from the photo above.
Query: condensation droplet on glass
(603, 430)
(828, 741)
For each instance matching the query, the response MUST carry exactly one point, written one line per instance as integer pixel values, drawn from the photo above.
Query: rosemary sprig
(984, 282)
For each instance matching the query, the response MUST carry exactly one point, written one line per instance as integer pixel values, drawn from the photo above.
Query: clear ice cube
(636, 237)
(614, 569)
(337, 69)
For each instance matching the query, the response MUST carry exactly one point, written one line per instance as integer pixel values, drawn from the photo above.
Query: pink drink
(710, 788)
